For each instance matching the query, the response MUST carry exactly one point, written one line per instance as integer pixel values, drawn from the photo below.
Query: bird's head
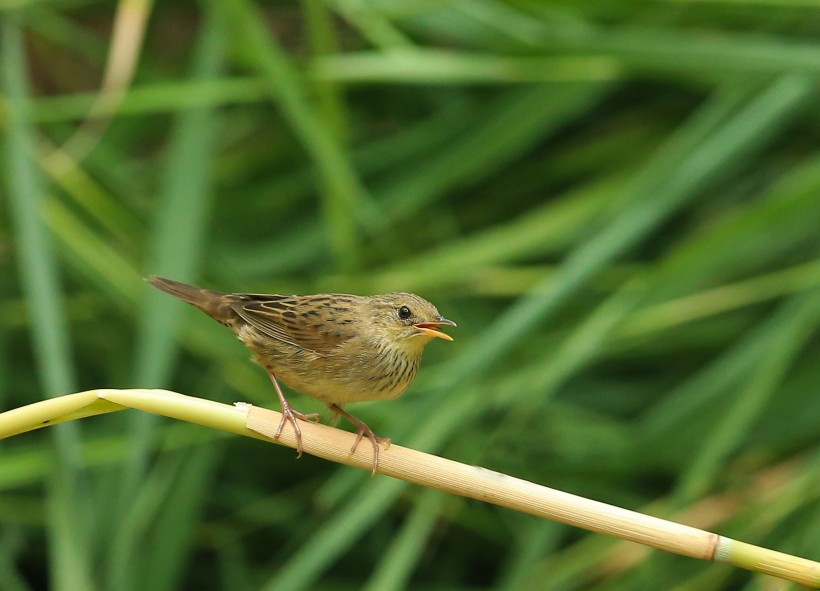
(407, 320)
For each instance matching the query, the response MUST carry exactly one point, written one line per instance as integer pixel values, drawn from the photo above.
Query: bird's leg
(290, 414)
(361, 431)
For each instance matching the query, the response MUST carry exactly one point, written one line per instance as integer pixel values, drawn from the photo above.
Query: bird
(336, 348)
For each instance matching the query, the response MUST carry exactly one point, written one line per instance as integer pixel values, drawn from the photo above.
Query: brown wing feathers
(306, 322)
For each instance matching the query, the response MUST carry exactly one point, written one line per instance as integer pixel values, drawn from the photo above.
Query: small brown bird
(336, 348)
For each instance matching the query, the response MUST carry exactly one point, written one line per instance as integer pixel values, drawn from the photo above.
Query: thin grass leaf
(373, 26)
(123, 571)
(88, 253)
(70, 533)
(26, 193)
(178, 241)
(175, 532)
(156, 98)
(330, 99)
(440, 67)
(662, 50)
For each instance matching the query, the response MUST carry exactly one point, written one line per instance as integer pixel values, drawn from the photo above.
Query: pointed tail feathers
(213, 303)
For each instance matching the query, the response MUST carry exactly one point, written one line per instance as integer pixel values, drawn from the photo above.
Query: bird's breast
(353, 372)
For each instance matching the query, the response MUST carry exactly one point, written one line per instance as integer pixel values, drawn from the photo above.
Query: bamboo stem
(424, 469)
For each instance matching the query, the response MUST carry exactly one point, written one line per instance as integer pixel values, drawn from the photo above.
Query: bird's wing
(315, 323)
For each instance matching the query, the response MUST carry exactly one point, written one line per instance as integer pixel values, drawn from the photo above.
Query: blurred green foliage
(619, 202)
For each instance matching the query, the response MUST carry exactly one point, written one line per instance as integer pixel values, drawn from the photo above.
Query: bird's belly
(340, 381)
(341, 388)
(340, 378)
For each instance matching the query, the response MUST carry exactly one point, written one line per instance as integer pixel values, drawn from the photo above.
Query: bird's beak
(429, 328)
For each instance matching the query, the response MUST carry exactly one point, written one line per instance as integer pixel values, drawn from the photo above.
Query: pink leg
(289, 414)
(362, 430)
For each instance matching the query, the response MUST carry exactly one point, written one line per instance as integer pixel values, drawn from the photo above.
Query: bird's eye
(405, 313)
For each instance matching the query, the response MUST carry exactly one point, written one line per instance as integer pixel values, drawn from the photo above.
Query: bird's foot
(289, 414)
(361, 430)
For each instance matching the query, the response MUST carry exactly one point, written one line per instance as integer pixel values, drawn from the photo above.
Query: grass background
(619, 203)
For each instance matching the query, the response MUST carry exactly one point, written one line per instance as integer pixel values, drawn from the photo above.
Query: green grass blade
(155, 98)
(26, 194)
(176, 528)
(329, 95)
(662, 50)
(178, 242)
(38, 269)
(442, 67)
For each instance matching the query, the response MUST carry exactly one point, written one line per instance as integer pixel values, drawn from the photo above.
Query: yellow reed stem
(424, 469)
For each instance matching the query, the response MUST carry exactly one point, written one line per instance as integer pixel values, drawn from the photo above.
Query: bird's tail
(214, 303)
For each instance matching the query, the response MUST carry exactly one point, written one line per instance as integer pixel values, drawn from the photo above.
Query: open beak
(429, 328)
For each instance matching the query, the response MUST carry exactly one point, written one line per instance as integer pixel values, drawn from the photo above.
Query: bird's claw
(292, 416)
(361, 430)
(374, 440)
